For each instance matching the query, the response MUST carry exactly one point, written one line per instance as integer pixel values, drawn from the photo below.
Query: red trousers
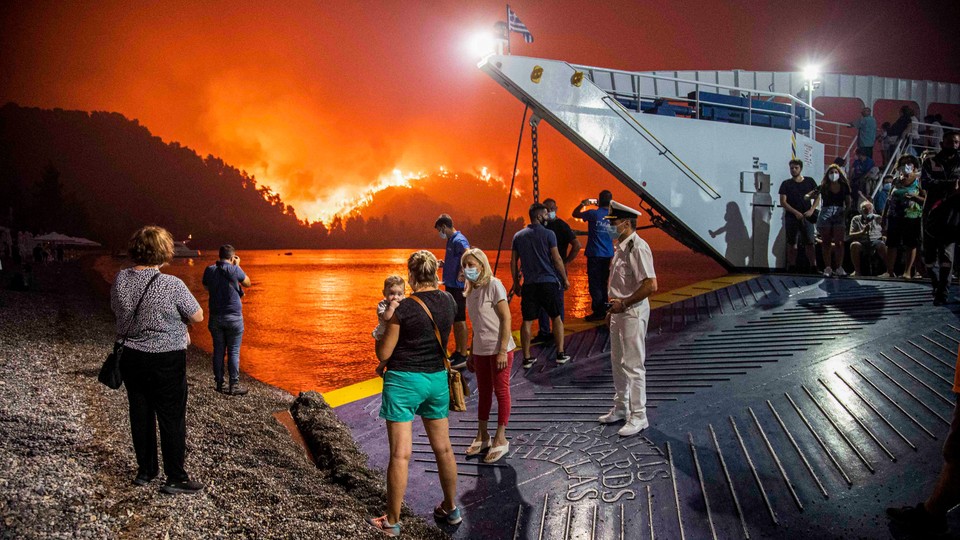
(492, 381)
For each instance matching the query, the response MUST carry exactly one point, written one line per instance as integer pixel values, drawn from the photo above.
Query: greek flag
(516, 25)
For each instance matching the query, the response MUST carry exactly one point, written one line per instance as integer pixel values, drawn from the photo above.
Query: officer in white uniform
(632, 281)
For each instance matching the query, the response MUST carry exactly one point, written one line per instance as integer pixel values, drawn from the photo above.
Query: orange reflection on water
(309, 315)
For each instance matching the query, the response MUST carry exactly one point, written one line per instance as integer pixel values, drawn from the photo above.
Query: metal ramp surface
(780, 407)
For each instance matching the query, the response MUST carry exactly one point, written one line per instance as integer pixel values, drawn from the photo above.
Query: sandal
(385, 526)
(477, 446)
(496, 453)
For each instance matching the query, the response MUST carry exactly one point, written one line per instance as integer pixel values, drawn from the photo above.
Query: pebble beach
(67, 462)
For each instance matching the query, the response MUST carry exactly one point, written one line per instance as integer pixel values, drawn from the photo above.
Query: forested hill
(102, 176)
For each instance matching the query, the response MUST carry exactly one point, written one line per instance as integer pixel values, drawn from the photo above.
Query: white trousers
(628, 332)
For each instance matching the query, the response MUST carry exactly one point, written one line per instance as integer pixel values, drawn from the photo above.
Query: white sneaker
(853, 274)
(615, 415)
(828, 272)
(841, 272)
(884, 275)
(633, 426)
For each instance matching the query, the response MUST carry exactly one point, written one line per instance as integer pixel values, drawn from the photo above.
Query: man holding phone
(599, 251)
(224, 280)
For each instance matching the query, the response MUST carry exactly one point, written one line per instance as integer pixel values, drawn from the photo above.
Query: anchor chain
(534, 121)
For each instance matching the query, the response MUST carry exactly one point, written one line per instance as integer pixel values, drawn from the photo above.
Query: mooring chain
(536, 158)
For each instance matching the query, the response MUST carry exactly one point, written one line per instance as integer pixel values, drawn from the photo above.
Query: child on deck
(393, 292)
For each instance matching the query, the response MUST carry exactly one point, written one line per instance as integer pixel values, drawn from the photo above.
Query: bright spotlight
(482, 44)
(811, 72)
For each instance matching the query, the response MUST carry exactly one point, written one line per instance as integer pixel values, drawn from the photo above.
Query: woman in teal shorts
(415, 384)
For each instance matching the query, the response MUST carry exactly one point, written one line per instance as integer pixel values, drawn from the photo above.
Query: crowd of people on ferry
(913, 211)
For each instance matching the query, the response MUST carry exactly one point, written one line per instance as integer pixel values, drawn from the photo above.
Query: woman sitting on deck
(492, 352)
(415, 384)
(152, 321)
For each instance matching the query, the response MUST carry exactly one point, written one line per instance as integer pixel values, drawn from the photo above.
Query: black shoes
(143, 479)
(593, 317)
(562, 358)
(458, 361)
(187, 487)
(528, 362)
(918, 520)
(236, 390)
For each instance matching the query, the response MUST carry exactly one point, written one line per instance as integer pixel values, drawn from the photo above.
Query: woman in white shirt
(491, 355)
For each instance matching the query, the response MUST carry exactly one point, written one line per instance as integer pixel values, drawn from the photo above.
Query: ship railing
(798, 114)
(906, 144)
(840, 144)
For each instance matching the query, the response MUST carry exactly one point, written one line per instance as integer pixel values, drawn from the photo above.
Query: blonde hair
(486, 273)
(392, 281)
(150, 246)
(422, 269)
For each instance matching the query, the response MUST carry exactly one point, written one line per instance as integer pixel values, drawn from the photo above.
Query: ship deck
(780, 406)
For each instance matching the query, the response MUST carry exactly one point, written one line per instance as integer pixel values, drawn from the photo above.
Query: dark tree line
(101, 176)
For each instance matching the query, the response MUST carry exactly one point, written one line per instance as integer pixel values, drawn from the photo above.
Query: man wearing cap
(599, 251)
(632, 281)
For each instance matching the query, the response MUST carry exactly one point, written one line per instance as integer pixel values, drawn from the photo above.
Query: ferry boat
(781, 405)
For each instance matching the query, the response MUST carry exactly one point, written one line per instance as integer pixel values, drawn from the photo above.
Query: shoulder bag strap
(436, 330)
(137, 309)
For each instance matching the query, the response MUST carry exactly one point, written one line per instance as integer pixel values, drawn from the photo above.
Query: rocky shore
(66, 460)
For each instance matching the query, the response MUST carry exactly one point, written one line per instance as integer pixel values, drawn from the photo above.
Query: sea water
(309, 314)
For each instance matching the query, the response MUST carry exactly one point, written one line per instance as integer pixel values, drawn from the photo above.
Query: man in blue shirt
(456, 245)
(224, 281)
(599, 251)
(538, 274)
(866, 131)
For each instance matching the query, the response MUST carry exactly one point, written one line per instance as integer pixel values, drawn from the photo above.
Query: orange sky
(323, 99)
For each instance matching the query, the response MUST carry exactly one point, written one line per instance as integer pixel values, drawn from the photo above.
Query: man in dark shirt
(224, 280)
(795, 196)
(569, 246)
(940, 176)
(859, 170)
(535, 256)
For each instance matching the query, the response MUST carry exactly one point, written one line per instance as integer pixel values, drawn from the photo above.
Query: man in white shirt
(632, 281)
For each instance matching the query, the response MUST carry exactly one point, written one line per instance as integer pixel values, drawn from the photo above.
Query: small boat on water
(182, 251)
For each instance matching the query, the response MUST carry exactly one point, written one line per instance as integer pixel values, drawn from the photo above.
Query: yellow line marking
(365, 389)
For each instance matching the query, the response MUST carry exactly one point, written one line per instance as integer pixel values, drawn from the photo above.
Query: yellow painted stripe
(354, 392)
(365, 389)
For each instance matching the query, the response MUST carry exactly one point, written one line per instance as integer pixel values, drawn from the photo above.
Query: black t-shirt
(939, 178)
(795, 192)
(565, 235)
(417, 349)
(839, 198)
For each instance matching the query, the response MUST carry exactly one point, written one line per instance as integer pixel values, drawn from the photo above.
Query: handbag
(459, 390)
(110, 371)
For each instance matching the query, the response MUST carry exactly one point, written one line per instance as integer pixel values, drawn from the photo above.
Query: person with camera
(866, 236)
(225, 281)
(599, 251)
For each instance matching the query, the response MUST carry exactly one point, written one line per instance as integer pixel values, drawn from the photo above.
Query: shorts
(951, 447)
(798, 227)
(903, 233)
(830, 220)
(536, 296)
(461, 300)
(407, 394)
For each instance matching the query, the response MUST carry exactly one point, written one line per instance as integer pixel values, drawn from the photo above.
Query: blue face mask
(472, 274)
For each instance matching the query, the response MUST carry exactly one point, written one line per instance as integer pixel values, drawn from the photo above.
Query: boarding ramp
(714, 182)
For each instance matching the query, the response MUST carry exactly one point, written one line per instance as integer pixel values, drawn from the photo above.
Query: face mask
(908, 168)
(471, 273)
(834, 177)
(551, 216)
(443, 235)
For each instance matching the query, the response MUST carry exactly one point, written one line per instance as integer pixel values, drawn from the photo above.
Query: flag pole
(508, 29)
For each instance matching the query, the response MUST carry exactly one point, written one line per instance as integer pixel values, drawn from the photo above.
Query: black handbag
(110, 371)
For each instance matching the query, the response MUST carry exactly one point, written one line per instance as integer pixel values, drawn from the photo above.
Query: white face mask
(908, 168)
(551, 216)
(443, 235)
(834, 177)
